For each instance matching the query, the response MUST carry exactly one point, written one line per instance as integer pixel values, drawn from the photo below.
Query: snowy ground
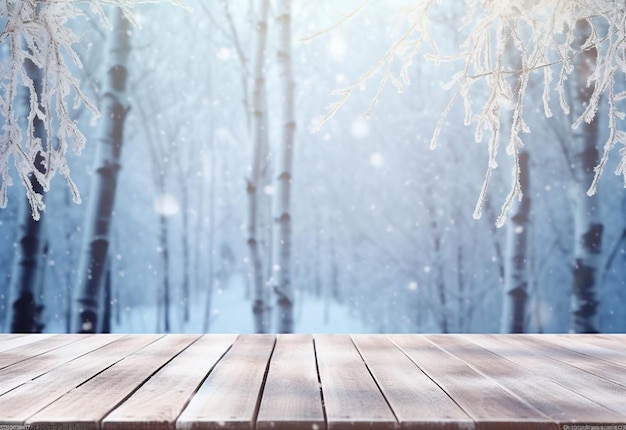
(232, 313)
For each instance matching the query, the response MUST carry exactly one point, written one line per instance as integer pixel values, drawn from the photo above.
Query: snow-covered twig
(540, 33)
(38, 32)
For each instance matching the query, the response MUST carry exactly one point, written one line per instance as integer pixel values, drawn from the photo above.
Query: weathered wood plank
(367, 381)
(26, 400)
(611, 341)
(490, 406)
(561, 404)
(10, 341)
(571, 342)
(159, 402)
(229, 397)
(85, 406)
(580, 358)
(291, 398)
(7, 336)
(534, 357)
(599, 361)
(33, 349)
(351, 396)
(416, 400)
(73, 346)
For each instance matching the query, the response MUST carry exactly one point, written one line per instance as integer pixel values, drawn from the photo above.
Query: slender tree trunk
(25, 309)
(165, 259)
(284, 288)
(186, 255)
(335, 287)
(441, 290)
(460, 271)
(70, 268)
(166, 276)
(103, 186)
(516, 277)
(212, 165)
(588, 226)
(515, 261)
(256, 192)
(161, 154)
(210, 238)
(499, 254)
(317, 265)
(108, 297)
(438, 268)
(199, 242)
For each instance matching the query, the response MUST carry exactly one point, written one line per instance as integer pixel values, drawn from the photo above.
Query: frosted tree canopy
(540, 32)
(531, 40)
(38, 33)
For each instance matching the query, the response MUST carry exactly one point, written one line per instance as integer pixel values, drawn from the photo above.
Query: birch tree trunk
(186, 253)
(588, 226)
(516, 251)
(185, 239)
(284, 288)
(28, 262)
(441, 286)
(210, 239)
(162, 153)
(515, 272)
(259, 180)
(95, 245)
(437, 262)
(461, 288)
(164, 296)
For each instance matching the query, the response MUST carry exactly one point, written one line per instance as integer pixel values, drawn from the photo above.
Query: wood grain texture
(571, 342)
(416, 400)
(32, 349)
(291, 397)
(616, 342)
(534, 357)
(597, 360)
(557, 402)
(72, 346)
(85, 406)
(351, 396)
(159, 402)
(492, 382)
(490, 406)
(28, 399)
(10, 341)
(229, 397)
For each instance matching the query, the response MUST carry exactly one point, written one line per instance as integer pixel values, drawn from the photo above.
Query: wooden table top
(313, 382)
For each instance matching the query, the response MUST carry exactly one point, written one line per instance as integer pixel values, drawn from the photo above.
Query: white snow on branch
(38, 31)
(541, 34)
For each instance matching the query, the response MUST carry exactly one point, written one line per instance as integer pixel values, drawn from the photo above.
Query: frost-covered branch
(37, 31)
(541, 34)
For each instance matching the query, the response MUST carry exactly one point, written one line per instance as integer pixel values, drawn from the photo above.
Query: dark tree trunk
(165, 257)
(588, 226)
(25, 309)
(106, 315)
(96, 240)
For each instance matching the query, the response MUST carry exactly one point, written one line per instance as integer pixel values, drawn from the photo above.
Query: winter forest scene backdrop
(312, 166)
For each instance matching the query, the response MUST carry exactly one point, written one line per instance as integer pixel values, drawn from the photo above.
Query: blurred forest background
(381, 235)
